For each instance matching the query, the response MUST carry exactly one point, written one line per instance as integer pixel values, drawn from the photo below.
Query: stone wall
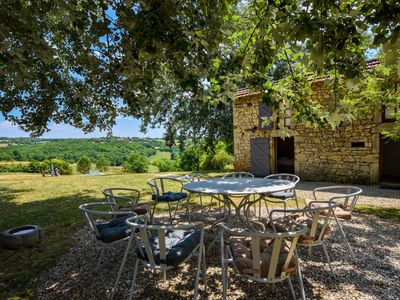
(320, 154)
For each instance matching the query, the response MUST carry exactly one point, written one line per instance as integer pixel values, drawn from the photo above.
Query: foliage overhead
(177, 62)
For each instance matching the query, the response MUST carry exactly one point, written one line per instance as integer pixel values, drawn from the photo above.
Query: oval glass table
(229, 189)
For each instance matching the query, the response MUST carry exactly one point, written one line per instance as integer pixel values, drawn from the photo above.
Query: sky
(125, 127)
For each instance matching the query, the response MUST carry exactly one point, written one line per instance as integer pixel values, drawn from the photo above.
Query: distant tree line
(115, 150)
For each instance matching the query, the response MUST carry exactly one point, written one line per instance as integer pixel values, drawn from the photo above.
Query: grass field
(52, 203)
(159, 155)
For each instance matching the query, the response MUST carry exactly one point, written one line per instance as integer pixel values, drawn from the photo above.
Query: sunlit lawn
(52, 203)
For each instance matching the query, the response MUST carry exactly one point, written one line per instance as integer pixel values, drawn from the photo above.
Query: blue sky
(125, 127)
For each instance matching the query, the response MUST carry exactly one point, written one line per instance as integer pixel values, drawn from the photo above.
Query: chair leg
(188, 207)
(300, 278)
(134, 279)
(176, 209)
(121, 267)
(344, 237)
(291, 288)
(170, 213)
(152, 212)
(201, 203)
(329, 261)
(103, 248)
(204, 271)
(196, 281)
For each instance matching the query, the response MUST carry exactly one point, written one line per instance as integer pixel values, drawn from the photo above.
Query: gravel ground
(374, 275)
(372, 194)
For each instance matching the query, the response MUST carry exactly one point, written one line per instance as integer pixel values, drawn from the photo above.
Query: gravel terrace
(374, 275)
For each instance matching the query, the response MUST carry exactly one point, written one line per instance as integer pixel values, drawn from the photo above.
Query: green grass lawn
(52, 203)
(159, 155)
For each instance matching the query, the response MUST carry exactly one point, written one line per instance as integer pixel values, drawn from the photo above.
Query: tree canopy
(178, 62)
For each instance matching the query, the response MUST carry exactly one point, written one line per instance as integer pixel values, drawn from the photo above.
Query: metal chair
(193, 177)
(107, 223)
(346, 197)
(238, 175)
(266, 257)
(127, 199)
(309, 217)
(166, 247)
(161, 188)
(283, 196)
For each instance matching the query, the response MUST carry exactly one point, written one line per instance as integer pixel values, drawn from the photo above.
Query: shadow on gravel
(368, 190)
(375, 274)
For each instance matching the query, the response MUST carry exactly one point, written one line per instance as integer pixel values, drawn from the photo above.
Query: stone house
(355, 153)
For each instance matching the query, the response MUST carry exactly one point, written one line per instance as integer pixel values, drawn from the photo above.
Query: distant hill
(115, 149)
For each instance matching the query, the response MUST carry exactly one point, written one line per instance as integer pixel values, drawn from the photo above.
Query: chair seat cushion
(169, 196)
(282, 195)
(179, 245)
(139, 208)
(242, 255)
(339, 211)
(114, 230)
(290, 222)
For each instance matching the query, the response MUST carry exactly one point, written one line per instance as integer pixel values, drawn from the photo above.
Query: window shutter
(264, 111)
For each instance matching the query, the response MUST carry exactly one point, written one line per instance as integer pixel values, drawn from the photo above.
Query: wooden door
(259, 155)
(390, 161)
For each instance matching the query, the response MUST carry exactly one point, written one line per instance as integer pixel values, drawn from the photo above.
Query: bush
(37, 167)
(83, 165)
(14, 168)
(102, 164)
(216, 160)
(136, 163)
(166, 165)
(190, 158)
(64, 167)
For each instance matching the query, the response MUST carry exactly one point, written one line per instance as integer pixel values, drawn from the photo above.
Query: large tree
(177, 62)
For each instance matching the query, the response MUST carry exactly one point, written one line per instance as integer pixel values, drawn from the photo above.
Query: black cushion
(169, 196)
(282, 195)
(113, 230)
(179, 245)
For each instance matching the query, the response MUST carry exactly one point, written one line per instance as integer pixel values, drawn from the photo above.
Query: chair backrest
(114, 195)
(145, 231)
(99, 212)
(310, 216)
(277, 241)
(161, 185)
(284, 176)
(192, 177)
(238, 175)
(346, 195)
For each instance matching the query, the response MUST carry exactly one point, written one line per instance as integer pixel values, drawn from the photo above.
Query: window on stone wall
(288, 117)
(389, 112)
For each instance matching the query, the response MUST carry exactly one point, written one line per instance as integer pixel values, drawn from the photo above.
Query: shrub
(217, 159)
(166, 165)
(136, 163)
(83, 165)
(63, 166)
(190, 158)
(102, 164)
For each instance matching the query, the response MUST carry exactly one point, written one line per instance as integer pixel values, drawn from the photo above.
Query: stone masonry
(348, 154)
